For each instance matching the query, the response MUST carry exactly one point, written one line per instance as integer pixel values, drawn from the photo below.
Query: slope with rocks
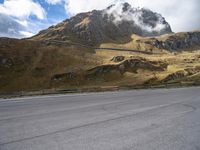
(29, 65)
(176, 41)
(173, 42)
(128, 65)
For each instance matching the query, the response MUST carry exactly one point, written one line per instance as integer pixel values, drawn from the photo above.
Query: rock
(179, 41)
(174, 76)
(59, 77)
(182, 74)
(135, 64)
(192, 71)
(130, 65)
(6, 62)
(118, 58)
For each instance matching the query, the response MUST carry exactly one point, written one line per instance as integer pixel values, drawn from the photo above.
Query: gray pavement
(162, 119)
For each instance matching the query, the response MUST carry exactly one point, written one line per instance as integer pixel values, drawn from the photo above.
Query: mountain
(117, 46)
(115, 23)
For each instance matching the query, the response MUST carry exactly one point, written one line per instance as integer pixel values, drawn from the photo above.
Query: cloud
(182, 15)
(14, 28)
(22, 9)
(26, 34)
(54, 2)
(119, 12)
(15, 16)
(10, 27)
(77, 6)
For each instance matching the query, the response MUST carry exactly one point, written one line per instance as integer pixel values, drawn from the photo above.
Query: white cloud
(9, 27)
(22, 9)
(18, 13)
(116, 12)
(183, 15)
(22, 22)
(53, 2)
(78, 6)
(26, 33)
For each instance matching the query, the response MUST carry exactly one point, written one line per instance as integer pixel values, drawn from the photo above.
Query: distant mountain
(115, 23)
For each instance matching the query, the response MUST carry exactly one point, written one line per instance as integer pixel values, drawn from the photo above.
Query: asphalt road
(166, 119)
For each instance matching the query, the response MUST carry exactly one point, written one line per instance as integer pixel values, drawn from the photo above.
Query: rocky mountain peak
(117, 22)
(126, 7)
(150, 22)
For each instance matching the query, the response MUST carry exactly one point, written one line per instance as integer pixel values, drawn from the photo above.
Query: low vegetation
(27, 65)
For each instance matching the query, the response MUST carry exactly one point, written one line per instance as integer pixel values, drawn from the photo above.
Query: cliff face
(115, 23)
(178, 41)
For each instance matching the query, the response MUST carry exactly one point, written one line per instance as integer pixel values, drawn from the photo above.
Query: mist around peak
(142, 17)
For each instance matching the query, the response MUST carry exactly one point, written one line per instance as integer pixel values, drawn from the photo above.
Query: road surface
(163, 119)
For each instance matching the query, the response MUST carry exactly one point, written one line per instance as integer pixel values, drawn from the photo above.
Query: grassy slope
(36, 63)
(176, 63)
(134, 44)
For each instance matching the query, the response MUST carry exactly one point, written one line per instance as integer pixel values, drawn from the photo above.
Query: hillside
(173, 42)
(101, 48)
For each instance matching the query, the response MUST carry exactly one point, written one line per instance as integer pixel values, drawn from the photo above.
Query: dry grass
(35, 65)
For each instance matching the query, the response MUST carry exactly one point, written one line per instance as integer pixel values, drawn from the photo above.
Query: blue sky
(24, 18)
(36, 15)
(54, 12)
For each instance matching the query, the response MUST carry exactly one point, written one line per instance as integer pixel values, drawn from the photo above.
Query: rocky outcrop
(5, 62)
(118, 58)
(179, 41)
(132, 65)
(182, 74)
(59, 77)
(174, 76)
(129, 65)
(192, 71)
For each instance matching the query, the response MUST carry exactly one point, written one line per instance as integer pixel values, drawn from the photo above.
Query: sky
(24, 18)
